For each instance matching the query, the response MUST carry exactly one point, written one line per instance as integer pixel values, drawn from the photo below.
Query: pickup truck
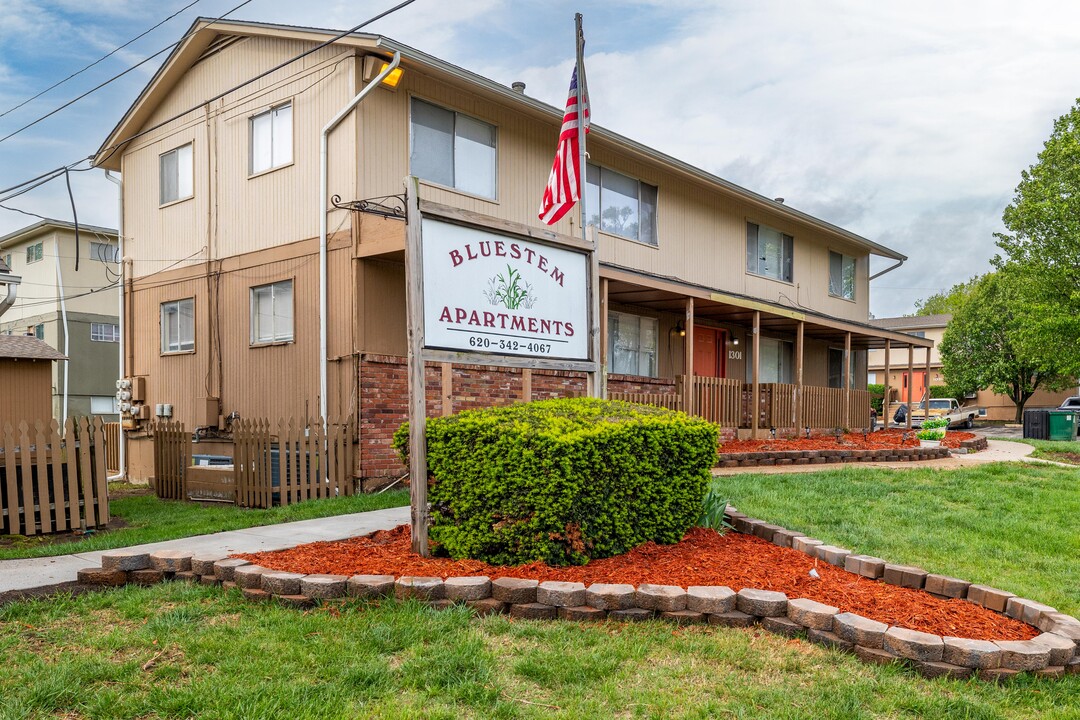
(939, 407)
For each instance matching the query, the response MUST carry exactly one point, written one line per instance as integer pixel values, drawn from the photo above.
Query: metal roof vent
(779, 200)
(518, 87)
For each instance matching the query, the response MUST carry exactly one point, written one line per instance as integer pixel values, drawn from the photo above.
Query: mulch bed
(703, 557)
(880, 440)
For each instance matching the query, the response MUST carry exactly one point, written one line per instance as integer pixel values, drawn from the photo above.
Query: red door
(915, 389)
(708, 352)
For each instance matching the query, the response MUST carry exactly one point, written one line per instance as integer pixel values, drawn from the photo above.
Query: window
(918, 333)
(768, 252)
(776, 361)
(623, 206)
(104, 252)
(104, 332)
(836, 368)
(841, 275)
(272, 313)
(452, 149)
(104, 405)
(178, 326)
(632, 344)
(7, 261)
(39, 331)
(271, 138)
(34, 252)
(177, 174)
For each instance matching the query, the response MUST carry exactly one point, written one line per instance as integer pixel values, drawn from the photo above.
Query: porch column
(798, 419)
(927, 382)
(755, 400)
(847, 380)
(603, 337)
(885, 401)
(688, 359)
(910, 380)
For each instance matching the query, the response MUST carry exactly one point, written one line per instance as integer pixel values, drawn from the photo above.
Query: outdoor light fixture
(679, 329)
(734, 341)
(374, 65)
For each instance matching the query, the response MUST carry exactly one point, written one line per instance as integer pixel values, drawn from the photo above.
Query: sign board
(490, 293)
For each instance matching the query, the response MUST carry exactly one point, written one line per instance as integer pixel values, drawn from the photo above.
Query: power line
(110, 80)
(100, 59)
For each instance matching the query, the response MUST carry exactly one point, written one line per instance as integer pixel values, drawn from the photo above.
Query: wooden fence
(51, 482)
(112, 447)
(718, 400)
(172, 452)
(664, 400)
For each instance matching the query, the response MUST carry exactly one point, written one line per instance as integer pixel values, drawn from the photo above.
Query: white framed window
(452, 149)
(775, 364)
(768, 252)
(7, 261)
(632, 343)
(178, 326)
(35, 252)
(104, 332)
(104, 252)
(272, 313)
(841, 275)
(621, 205)
(176, 174)
(104, 405)
(271, 138)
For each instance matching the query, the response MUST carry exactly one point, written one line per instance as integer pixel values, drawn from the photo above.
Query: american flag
(564, 183)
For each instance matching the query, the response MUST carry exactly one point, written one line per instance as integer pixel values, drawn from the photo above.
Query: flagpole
(596, 378)
(579, 41)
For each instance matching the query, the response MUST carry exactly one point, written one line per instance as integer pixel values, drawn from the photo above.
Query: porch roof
(629, 287)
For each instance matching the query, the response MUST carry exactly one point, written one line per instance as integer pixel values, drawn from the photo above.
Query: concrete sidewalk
(37, 573)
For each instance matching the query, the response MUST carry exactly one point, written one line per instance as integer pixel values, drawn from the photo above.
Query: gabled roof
(27, 347)
(913, 322)
(203, 34)
(43, 226)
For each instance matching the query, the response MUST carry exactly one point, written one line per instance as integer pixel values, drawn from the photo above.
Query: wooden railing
(53, 483)
(718, 400)
(112, 447)
(172, 453)
(670, 401)
(301, 466)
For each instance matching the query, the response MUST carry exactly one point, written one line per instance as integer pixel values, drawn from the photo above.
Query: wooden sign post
(485, 291)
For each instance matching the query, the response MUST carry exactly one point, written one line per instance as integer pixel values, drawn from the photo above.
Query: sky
(908, 122)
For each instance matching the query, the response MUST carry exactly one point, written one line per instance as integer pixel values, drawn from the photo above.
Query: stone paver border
(818, 457)
(1052, 654)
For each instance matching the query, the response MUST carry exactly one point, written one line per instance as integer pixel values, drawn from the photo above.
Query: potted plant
(932, 432)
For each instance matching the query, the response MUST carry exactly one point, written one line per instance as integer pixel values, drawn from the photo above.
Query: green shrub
(563, 481)
(877, 396)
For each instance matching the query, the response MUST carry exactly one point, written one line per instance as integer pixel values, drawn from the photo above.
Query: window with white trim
(176, 174)
(632, 343)
(775, 362)
(621, 205)
(178, 326)
(104, 332)
(7, 261)
(104, 405)
(452, 149)
(35, 252)
(841, 275)
(768, 252)
(272, 313)
(271, 138)
(104, 252)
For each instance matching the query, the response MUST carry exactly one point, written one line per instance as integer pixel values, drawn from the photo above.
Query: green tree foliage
(948, 302)
(985, 345)
(1042, 247)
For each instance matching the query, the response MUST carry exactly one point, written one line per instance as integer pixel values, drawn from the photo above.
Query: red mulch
(703, 557)
(880, 440)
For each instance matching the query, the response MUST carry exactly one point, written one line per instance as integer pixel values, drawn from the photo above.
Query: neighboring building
(932, 327)
(221, 222)
(26, 366)
(90, 298)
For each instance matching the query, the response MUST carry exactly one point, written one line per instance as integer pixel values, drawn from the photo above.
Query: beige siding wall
(702, 234)
(232, 211)
(27, 391)
(899, 358)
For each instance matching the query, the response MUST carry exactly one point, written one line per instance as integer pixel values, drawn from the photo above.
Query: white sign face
(491, 293)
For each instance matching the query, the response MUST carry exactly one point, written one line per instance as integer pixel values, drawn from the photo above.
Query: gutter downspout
(12, 291)
(120, 250)
(887, 270)
(323, 181)
(63, 314)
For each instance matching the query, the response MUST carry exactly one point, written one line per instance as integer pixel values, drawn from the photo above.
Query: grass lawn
(150, 520)
(1058, 450)
(189, 651)
(1010, 525)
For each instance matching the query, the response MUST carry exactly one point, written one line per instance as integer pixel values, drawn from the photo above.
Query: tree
(946, 303)
(985, 345)
(1042, 248)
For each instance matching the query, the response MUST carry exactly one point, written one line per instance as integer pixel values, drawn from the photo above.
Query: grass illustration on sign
(509, 291)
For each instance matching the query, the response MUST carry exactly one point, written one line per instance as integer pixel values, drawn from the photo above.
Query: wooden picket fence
(172, 453)
(664, 400)
(112, 447)
(52, 482)
(304, 465)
